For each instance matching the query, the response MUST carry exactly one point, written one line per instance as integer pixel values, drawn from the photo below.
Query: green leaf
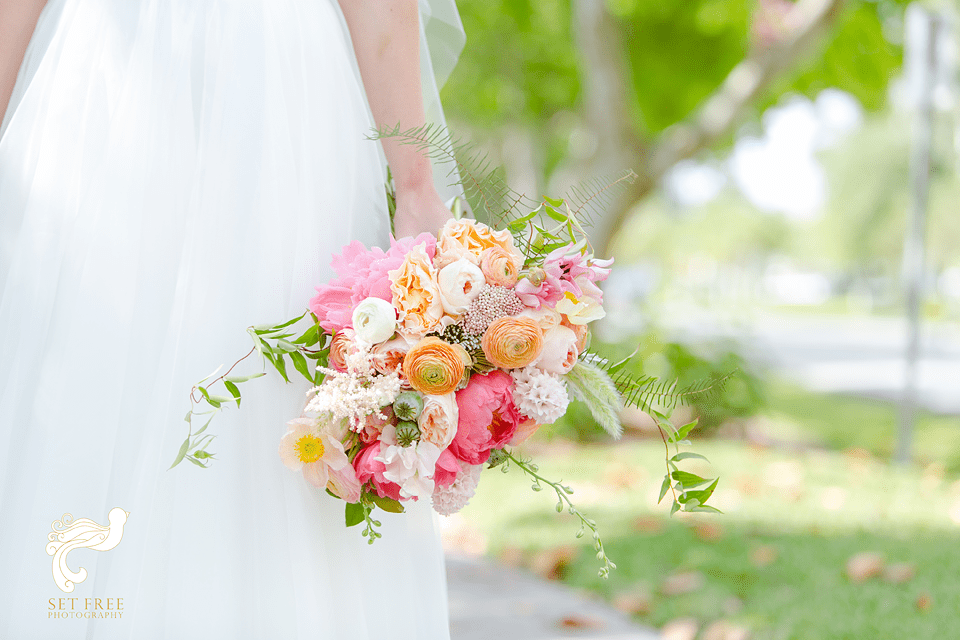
(239, 379)
(686, 455)
(196, 462)
(706, 508)
(279, 365)
(183, 452)
(300, 364)
(664, 488)
(285, 346)
(387, 504)
(220, 399)
(234, 391)
(205, 424)
(703, 494)
(310, 337)
(556, 215)
(683, 431)
(354, 513)
(553, 201)
(687, 479)
(675, 508)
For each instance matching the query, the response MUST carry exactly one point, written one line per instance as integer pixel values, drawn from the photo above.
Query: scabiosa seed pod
(408, 406)
(407, 433)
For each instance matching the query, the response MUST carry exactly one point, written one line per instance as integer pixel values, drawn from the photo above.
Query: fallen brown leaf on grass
(682, 583)
(637, 602)
(723, 630)
(924, 602)
(680, 629)
(865, 565)
(552, 563)
(649, 524)
(899, 573)
(764, 556)
(708, 531)
(580, 622)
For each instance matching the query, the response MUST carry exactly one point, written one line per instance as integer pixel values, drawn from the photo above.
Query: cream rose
(560, 351)
(459, 282)
(374, 320)
(468, 239)
(439, 418)
(415, 294)
(545, 317)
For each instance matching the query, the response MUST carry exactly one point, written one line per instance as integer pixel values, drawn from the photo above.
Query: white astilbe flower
(448, 500)
(539, 395)
(353, 397)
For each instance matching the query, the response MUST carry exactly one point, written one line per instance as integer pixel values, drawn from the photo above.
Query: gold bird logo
(69, 534)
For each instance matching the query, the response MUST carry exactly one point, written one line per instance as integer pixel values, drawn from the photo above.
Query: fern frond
(484, 186)
(593, 197)
(592, 386)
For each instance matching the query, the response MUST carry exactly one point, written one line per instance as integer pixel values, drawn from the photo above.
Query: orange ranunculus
(500, 266)
(415, 294)
(468, 239)
(435, 367)
(512, 342)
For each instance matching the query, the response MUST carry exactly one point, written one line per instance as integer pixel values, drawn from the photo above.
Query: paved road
(863, 356)
(493, 602)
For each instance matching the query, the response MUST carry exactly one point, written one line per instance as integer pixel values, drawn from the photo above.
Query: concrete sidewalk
(490, 601)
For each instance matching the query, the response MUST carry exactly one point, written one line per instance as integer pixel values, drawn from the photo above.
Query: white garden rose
(439, 418)
(374, 320)
(559, 353)
(460, 282)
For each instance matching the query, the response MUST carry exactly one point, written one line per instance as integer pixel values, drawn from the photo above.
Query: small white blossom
(410, 467)
(539, 395)
(448, 500)
(353, 397)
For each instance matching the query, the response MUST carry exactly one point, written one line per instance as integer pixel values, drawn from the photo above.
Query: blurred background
(795, 220)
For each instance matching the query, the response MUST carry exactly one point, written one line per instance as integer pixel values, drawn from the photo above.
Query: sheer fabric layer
(175, 171)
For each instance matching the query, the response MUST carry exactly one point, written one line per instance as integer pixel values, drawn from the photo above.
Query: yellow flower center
(572, 298)
(309, 448)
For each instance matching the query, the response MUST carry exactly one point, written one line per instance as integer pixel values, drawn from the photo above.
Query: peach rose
(438, 420)
(512, 342)
(434, 367)
(342, 342)
(582, 332)
(500, 266)
(547, 318)
(415, 293)
(524, 430)
(388, 356)
(468, 239)
(559, 354)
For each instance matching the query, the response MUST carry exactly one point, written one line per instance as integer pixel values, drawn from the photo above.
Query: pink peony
(362, 273)
(369, 468)
(447, 469)
(488, 417)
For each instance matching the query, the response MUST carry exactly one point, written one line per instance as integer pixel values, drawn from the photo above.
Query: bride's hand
(418, 211)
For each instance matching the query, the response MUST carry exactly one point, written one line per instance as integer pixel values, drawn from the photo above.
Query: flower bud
(407, 433)
(408, 406)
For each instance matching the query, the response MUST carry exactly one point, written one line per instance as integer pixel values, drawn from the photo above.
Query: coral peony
(448, 467)
(370, 469)
(488, 417)
(362, 273)
(512, 342)
(501, 266)
(434, 367)
(415, 294)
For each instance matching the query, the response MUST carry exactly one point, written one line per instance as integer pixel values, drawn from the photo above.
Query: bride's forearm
(386, 38)
(18, 18)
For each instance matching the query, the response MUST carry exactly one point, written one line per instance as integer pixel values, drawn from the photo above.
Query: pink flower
(447, 469)
(488, 417)
(563, 272)
(369, 468)
(362, 273)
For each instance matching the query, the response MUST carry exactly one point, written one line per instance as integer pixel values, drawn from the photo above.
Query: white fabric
(172, 171)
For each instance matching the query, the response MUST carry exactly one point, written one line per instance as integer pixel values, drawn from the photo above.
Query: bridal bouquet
(433, 359)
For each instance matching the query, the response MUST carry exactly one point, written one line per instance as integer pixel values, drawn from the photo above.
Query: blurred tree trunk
(607, 105)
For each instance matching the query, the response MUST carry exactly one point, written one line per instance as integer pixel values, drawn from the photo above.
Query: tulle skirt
(171, 172)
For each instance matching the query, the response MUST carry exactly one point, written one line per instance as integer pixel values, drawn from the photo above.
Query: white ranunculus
(374, 320)
(459, 282)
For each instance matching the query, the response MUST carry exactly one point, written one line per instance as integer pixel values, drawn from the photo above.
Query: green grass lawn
(774, 563)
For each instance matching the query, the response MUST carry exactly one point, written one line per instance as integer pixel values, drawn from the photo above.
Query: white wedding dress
(171, 172)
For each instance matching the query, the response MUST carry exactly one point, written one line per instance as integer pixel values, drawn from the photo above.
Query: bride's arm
(18, 18)
(386, 38)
